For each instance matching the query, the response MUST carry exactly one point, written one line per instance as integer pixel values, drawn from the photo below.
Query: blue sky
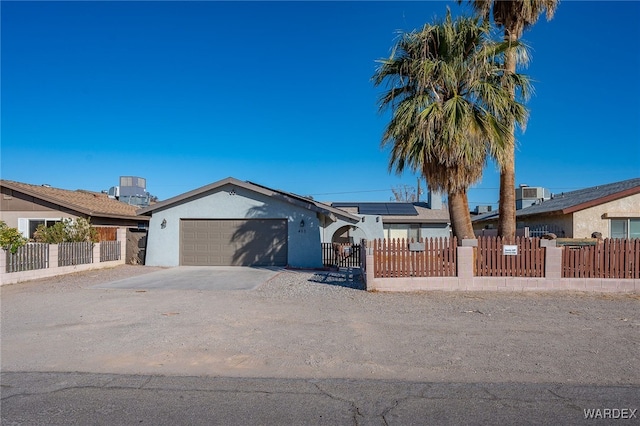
(279, 93)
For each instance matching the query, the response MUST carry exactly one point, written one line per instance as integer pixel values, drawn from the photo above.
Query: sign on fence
(416, 246)
(525, 258)
(393, 258)
(509, 250)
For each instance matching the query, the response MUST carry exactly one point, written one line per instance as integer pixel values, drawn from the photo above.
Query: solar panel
(381, 209)
(372, 208)
(401, 209)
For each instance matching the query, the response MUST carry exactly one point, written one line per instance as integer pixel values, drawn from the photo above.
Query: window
(634, 228)
(414, 232)
(28, 226)
(625, 228)
(404, 231)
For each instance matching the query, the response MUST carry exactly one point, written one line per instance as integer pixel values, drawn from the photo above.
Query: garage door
(242, 242)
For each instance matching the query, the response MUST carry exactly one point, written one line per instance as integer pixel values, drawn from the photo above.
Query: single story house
(25, 206)
(612, 209)
(233, 222)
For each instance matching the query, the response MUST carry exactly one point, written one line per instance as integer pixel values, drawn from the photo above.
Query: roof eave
(602, 200)
(414, 220)
(53, 200)
(185, 196)
(66, 204)
(306, 204)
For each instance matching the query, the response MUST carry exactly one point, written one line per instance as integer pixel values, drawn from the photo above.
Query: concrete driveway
(213, 278)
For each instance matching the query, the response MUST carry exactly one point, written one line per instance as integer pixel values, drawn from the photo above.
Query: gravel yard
(305, 324)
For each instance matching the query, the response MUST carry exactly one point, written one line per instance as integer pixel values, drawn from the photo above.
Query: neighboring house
(390, 220)
(612, 209)
(26, 206)
(232, 222)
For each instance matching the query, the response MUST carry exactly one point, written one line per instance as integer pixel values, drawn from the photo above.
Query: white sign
(416, 246)
(510, 250)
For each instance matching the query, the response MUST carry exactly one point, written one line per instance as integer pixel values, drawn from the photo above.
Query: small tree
(404, 194)
(67, 231)
(10, 238)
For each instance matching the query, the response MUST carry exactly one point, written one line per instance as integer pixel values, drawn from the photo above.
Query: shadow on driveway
(345, 277)
(197, 278)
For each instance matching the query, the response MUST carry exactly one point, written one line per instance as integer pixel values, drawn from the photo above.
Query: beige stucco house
(612, 209)
(25, 206)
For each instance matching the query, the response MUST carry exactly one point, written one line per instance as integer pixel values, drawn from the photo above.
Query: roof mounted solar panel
(401, 209)
(372, 208)
(382, 209)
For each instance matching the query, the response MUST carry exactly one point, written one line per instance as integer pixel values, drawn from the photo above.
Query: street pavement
(109, 399)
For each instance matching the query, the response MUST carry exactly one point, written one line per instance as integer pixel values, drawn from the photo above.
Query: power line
(351, 192)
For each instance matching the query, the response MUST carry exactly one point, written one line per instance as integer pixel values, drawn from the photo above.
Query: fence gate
(341, 255)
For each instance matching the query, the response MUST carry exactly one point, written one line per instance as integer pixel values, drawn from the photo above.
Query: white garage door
(233, 242)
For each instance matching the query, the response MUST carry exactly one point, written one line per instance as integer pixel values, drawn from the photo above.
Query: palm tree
(514, 16)
(450, 107)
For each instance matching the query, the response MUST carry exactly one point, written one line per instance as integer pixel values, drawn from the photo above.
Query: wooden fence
(433, 257)
(29, 257)
(110, 250)
(75, 253)
(608, 259)
(341, 255)
(106, 233)
(493, 261)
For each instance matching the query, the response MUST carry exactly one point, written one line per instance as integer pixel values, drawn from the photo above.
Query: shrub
(10, 238)
(67, 231)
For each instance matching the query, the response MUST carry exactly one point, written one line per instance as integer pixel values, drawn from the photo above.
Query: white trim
(24, 224)
(23, 227)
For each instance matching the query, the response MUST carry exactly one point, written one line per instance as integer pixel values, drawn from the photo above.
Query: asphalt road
(109, 399)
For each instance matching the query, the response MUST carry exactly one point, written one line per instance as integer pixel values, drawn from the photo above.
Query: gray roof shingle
(569, 202)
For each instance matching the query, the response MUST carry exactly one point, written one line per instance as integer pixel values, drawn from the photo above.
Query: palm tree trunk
(507, 203)
(460, 216)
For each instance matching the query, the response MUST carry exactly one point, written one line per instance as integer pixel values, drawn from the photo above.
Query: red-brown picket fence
(432, 257)
(491, 260)
(611, 258)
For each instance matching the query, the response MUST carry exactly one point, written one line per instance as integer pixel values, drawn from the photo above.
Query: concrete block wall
(54, 269)
(466, 281)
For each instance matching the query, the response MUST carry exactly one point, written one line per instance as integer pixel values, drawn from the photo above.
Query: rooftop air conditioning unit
(529, 195)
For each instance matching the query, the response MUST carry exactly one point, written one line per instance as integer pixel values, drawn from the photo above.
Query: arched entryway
(344, 248)
(348, 234)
